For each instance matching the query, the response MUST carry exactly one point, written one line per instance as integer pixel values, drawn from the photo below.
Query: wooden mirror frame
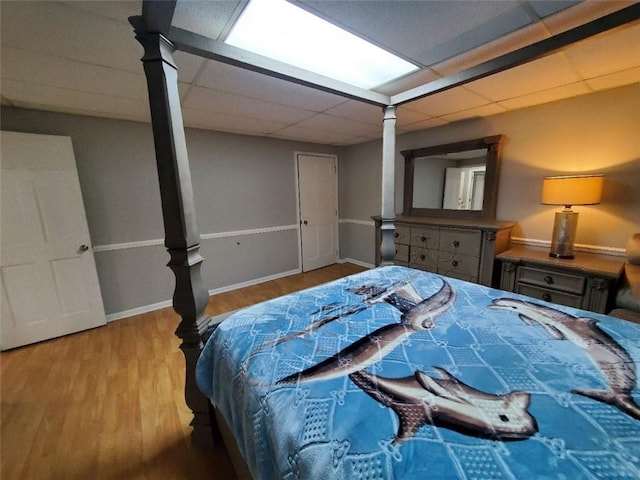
(490, 197)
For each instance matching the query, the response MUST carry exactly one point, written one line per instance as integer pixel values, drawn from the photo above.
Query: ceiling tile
(229, 123)
(608, 52)
(119, 10)
(545, 96)
(483, 111)
(206, 99)
(616, 79)
(31, 95)
(424, 124)
(69, 74)
(543, 74)
(188, 65)
(220, 76)
(544, 8)
(330, 123)
(354, 110)
(582, 13)
(449, 101)
(407, 116)
(509, 43)
(312, 135)
(426, 31)
(205, 17)
(56, 29)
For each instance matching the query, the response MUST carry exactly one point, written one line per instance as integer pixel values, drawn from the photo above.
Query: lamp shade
(572, 190)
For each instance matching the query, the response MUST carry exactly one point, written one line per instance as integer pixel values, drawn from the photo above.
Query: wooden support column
(181, 232)
(387, 227)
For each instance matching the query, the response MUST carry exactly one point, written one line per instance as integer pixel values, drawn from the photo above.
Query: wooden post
(387, 227)
(181, 232)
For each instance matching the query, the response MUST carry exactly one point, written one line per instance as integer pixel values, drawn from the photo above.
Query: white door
(453, 188)
(48, 273)
(318, 194)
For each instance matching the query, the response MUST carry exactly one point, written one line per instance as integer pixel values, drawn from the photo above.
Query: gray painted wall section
(241, 183)
(589, 133)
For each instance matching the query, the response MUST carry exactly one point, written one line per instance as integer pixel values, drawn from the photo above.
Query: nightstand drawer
(402, 235)
(550, 295)
(425, 237)
(402, 253)
(424, 259)
(460, 266)
(585, 281)
(463, 242)
(551, 280)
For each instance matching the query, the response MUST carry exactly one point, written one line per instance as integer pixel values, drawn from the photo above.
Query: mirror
(453, 180)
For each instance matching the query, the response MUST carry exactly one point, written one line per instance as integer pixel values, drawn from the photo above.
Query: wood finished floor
(108, 403)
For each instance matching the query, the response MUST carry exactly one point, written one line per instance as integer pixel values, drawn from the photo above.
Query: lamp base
(564, 234)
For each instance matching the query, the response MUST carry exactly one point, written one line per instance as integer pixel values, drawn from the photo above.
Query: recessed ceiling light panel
(282, 31)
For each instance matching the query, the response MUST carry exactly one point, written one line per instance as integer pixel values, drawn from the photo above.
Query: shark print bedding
(395, 373)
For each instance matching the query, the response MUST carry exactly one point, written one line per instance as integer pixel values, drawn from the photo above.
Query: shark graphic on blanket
(420, 399)
(447, 402)
(417, 315)
(609, 356)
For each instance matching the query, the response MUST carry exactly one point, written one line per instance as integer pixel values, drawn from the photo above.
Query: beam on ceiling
(523, 55)
(202, 46)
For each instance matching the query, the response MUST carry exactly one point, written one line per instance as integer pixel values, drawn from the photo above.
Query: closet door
(318, 203)
(49, 281)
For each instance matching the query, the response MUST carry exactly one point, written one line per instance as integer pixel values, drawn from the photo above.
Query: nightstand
(587, 281)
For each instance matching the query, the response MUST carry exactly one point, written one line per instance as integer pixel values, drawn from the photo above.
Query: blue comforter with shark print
(395, 373)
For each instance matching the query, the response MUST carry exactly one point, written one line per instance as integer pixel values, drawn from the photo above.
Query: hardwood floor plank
(108, 403)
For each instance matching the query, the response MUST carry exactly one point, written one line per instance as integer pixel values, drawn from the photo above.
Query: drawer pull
(423, 239)
(397, 235)
(456, 243)
(422, 257)
(454, 263)
(546, 297)
(548, 279)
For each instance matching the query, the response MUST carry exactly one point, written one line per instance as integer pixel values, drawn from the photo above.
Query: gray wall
(244, 183)
(241, 184)
(595, 133)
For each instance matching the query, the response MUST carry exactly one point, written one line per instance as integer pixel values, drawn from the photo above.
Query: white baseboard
(256, 281)
(138, 310)
(356, 262)
(168, 303)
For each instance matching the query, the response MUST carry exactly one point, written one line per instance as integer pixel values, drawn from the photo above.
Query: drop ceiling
(81, 57)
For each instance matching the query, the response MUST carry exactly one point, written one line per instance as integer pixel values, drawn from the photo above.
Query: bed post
(181, 232)
(387, 227)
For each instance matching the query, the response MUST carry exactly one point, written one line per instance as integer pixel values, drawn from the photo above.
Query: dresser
(455, 247)
(587, 281)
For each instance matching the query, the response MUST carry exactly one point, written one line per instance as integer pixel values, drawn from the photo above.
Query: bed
(405, 374)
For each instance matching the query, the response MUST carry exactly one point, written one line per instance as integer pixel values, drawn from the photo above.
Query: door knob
(83, 248)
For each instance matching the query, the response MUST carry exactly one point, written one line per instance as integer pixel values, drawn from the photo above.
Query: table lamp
(568, 191)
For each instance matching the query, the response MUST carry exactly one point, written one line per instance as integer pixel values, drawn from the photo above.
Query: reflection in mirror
(453, 180)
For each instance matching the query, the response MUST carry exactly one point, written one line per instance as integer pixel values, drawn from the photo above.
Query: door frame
(296, 153)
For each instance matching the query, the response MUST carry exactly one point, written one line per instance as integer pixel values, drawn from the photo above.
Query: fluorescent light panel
(282, 31)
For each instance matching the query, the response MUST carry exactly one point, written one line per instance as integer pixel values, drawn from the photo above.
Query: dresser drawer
(424, 258)
(403, 234)
(402, 253)
(425, 237)
(551, 280)
(460, 266)
(550, 295)
(465, 242)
